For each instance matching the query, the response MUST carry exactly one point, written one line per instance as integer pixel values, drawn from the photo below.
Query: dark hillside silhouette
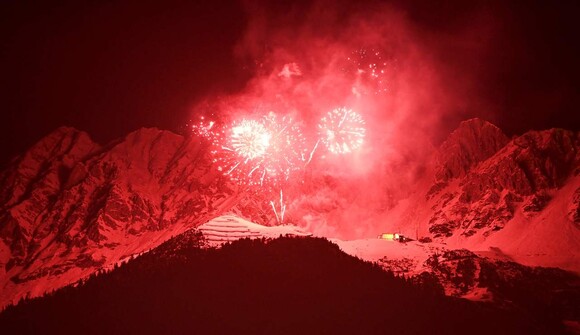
(286, 285)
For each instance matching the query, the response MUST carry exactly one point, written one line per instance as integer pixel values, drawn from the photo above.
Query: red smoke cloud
(313, 58)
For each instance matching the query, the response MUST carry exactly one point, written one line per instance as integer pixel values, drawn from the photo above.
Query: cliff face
(70, 207)
(472, 142)
(524, 174)
(520, 196)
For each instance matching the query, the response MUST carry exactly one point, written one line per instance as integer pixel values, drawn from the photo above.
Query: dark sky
(110, 67)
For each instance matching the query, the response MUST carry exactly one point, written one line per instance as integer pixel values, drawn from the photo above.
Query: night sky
(110, 67)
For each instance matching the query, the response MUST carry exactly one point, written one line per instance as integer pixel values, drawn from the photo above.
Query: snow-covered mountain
(487, 275)
(69, 206)
(522, 199)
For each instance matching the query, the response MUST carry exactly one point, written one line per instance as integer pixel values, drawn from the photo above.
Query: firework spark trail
(252, 171)
(282, 206)
(275, 212)
(232, 169)
(312, 152)
(279, 216)
(342, 120)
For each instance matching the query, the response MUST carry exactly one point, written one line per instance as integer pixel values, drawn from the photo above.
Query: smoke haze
(312, 58)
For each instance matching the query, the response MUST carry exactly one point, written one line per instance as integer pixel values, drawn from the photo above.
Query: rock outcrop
(70, 207)
(526, 173)
(472, 142)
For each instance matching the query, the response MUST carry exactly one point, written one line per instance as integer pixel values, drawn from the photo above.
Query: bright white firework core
(250, 139)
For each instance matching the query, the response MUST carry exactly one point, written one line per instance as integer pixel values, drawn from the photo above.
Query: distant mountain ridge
(69, 206)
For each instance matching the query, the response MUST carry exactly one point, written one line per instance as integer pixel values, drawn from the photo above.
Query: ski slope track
(229, 228)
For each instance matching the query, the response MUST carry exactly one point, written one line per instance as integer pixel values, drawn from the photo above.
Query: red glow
(391, 96)
(261, 151)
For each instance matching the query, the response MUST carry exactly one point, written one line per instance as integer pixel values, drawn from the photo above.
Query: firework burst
(342, 130)
(369, 67)
(249, 139)
(261, 152)
(204, 128)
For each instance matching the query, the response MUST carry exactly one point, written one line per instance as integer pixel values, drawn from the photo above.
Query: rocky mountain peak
(47, 163)
(472, 142)
(69, 207)
(528, 185)
(63, 141)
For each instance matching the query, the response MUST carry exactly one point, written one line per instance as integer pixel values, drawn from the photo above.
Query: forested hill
(286, 285)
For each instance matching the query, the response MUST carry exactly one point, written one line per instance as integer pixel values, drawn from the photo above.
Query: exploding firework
(249, 139)
(342, 130)
(369, 67)
(203, 128)
(288, 144)
(261, 152)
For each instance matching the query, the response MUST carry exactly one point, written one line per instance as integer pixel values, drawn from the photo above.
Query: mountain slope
(484, 276)
(522, 200)
(72, 207)
(228, 228)
(255, 286)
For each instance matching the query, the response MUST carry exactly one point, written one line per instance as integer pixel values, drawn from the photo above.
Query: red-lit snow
(229, 228)
(547, 239)
(408, 259)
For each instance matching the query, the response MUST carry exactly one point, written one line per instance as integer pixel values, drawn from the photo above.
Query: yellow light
(389, 237)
